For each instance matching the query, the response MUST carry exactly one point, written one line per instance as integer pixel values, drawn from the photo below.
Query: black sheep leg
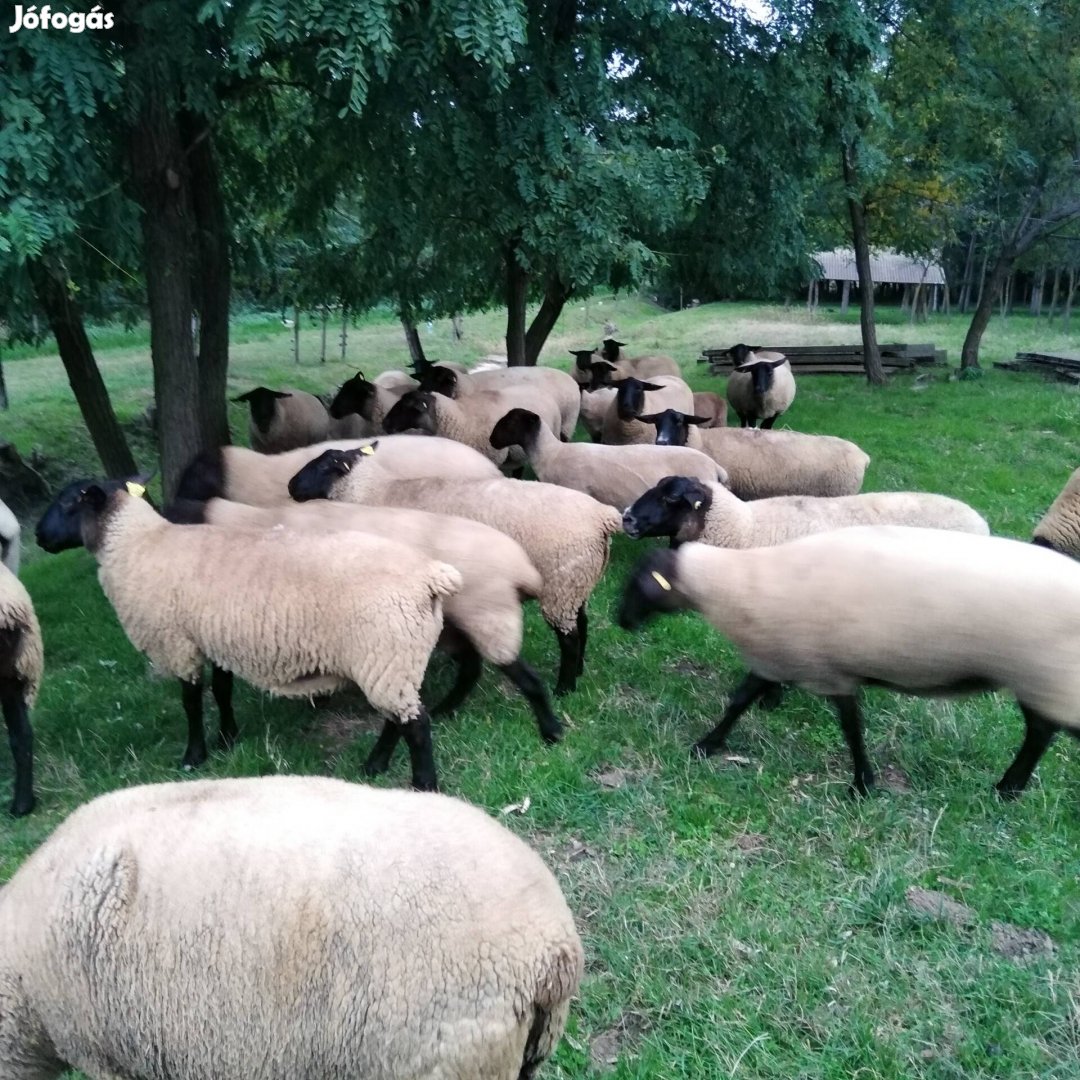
(21, 741)
(378, 761)
(468, 674)
(569, 661)
(765, 424)
(417, 735)
(221, 683)
(743, 696)
(1040, 733)
(583, 637)
(532, 689)
(192, 695)
(847, 712)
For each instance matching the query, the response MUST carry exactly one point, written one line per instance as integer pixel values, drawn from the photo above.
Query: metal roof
(887, 267)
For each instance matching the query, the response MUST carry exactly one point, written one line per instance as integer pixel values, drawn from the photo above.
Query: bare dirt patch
(605, 1048)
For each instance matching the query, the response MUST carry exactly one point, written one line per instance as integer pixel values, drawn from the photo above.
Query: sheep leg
(192, 696)
(532, 689)
(583, 637)
(417, 734)
(21, 741)
(743, 696)
(221, 683)
(847, 712)
(569, 661)
(1040, 733)
(773, 697)
(468, 674)
(765, 424)
(378, 761)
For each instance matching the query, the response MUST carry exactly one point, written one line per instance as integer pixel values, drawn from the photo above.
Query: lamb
(467, 421)
(762, 386)
(281, 927)
(233, 472)
(922, 611)
(565, 534)
(339, 609)
(638, 367)
(712, 407)
(615, 475)
(365, 404)
(484, 617)
(10, 538)
(687, 509)
(763, 464)
(524, 382)
(284, 419)
(21, 664)
(1059, 528)
(623, 422)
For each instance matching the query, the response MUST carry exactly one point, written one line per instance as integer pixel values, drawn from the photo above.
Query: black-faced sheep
(623, 423)
(284, 419)
(369, 401)
(637, 367)
(761, 387)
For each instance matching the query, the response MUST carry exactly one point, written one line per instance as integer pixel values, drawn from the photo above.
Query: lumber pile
(835, 359)
(1060, 366)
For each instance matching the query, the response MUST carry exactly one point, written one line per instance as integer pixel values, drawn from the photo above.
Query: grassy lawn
(741, 917)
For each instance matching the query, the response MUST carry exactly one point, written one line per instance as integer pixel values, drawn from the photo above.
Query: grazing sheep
(565, 534)
(292, 614)
(762, 387)
(712, 407)
(495, 572)
(1060, 527)
(615, 475)
(468, 420)
(763, 464)
(284, 419)
(594, 407)
(922, 611)
(10, 539)
(525, 382)
(365, 404)
(281, 927)
(623, 423)
(687, 509)
(233, 472)
(637, 367)
(21, 664)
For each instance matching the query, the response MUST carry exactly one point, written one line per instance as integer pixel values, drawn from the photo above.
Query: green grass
(739, 919)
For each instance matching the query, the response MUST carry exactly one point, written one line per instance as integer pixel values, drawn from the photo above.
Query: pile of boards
(834, 359)
(1058, 366)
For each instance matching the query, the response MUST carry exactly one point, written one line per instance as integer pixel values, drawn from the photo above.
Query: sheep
(22, 660)
(584, 359)
(594, 407)
(233, 472)
(292, 614)
(711, 406)
(623, 423)
(763, 464)
(280, 927)
(10, 538)
(365, 404)
(638, 367)
(921, 611)
(1059, 528)
(761, 387)
(687, 509)
(284, 419)
(495, 572)
(525, 382)
(565, 534)
(615, 475)
(467, 421)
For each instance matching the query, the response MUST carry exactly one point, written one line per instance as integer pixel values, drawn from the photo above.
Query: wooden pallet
(835, 359)
(1060, 366)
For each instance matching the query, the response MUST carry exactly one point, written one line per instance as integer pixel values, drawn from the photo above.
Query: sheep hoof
(22, 807)
(375, 768)
(193, 759)
(1008, 792)
(425, 783)
(860, 787)
(552, 735)
(562, 689)
(703, 749)
(226, 742)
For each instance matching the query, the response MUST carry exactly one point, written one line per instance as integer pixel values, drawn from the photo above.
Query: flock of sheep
(284, 926)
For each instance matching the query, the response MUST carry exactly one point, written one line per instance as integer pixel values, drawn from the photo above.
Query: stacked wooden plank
(1060, 366)
(835, 359)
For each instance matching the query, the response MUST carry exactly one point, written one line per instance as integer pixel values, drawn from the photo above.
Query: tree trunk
(412, 339)
(1054, 292)
(1037, 284)
(875, 374)
(66, 323)
(845, 297)
(517, 284)
(459, 330)
(1067, 314)
(163, 187)
(4, 403)
(296, 333)
(969, 355)
(555, 297)
(965, 286)
(213, 281)
(322, 347)
(344, 331)
(982, 275)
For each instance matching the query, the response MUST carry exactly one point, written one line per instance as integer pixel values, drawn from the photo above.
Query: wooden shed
(922, 281)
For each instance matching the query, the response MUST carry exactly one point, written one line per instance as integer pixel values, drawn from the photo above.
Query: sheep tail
(558, 980)
(445, 580)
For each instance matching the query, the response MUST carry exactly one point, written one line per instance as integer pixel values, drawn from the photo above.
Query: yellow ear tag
(697, 505)
(136, 491)
(366, 450)
(662, 581)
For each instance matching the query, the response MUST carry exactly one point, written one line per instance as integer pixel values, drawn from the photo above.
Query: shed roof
(887, 267)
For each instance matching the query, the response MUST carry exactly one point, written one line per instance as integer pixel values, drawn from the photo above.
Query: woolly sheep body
(382, 394)
(299, 419)
(283, 927)
(594, 408)
(22, 661)
(723, 520)
(673, 394)
(711, 406)
(10, 538)
(636, 367)
(1060, 526)
(243, 475)
(751, 406)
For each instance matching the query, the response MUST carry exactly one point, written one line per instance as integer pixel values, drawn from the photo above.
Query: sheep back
(10, 538)
(22, 656)
(1060, 526)
(285, 423)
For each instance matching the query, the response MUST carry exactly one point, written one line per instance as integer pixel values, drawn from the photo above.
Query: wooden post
(296, 333)
(845, 295)
(325, 319)
(810, 298)
(344, 330)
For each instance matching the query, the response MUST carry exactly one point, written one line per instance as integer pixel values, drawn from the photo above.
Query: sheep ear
(697, 419)
(650, 386)
(93, 495)
(651, 418)
(361, 376)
